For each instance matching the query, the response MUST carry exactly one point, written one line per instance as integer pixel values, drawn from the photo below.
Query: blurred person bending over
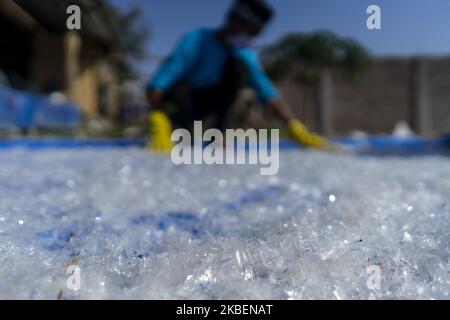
(203, 75)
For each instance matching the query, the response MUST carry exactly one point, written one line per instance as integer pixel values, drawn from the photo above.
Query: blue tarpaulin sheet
(376, 143)
(25, 110)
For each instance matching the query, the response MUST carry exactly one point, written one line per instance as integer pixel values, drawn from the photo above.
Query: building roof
(51, 15)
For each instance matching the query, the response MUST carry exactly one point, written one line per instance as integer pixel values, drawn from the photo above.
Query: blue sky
(408, 26)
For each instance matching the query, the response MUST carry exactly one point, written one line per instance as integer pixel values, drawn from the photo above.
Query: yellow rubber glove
(160, 132)
(306, 138)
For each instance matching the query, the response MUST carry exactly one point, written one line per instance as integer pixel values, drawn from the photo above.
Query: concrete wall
(391, 90)
(438, 74)
(376, 102)
(63, 61)
(47, 63)
(79, 68)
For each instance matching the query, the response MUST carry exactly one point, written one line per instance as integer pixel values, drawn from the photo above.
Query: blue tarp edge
(376, 142)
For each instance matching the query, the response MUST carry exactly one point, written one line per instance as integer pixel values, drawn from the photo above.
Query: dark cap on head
(256, 13)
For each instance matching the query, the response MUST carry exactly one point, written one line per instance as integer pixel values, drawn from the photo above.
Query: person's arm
(275, 104)
(280, 109)
(297, 130)
(160, 126)
(171, 70)
(155, 97)
(176, 65)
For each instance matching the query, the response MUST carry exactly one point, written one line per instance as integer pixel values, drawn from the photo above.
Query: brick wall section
(379, 99)
(376, 102)
(438, 75)
(302, 100)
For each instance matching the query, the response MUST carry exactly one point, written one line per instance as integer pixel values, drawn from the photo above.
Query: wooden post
(324, 103)
(72, 48)
(419, 105)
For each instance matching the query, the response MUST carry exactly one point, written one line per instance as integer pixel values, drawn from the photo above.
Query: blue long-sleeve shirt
(199, 58)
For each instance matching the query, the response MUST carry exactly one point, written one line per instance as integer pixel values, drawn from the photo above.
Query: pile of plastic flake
(134, 226)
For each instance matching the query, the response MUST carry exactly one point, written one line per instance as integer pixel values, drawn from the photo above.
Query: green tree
(304, 55)
(132, 36)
